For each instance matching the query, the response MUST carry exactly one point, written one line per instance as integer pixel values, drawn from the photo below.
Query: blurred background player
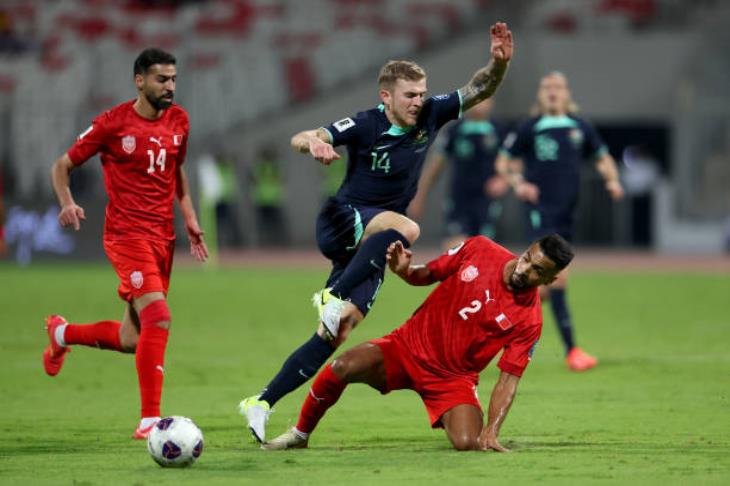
(541, 161)
(386, 148)
(268, 196)
(487, 302)
(470, 146)
(142, 145)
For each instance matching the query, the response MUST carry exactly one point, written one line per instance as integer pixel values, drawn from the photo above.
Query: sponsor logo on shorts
(129, 143)
(136, 279)
(469, 273)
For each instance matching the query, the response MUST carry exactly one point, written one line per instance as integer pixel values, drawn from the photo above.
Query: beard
(518, 283)
(161, 102)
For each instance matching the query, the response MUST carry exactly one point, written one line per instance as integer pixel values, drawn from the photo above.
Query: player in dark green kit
(541, 161)
(386, 148)
(470, 147)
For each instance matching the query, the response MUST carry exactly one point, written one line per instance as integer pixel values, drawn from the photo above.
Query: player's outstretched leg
(326, 390)
(61, 334)
(154, 318)
(361, 364)
(301, 365)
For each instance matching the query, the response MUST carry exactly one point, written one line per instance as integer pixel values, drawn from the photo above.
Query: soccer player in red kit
(142, 145)
(487, 302)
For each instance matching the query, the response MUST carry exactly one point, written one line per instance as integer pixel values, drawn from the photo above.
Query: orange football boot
(54, 354)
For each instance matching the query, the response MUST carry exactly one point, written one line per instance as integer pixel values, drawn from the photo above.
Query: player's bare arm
(606, 166)
(71, 214)
(317, 143)
(198, 248)
(499, 404)
(486, 80)
(399, 260)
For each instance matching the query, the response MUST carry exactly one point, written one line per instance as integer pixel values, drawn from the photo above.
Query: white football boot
(257, 415)
(291, 439)
(330, 311)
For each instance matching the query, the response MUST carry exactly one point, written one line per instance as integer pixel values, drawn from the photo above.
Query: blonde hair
(395, 70)
(571, 106)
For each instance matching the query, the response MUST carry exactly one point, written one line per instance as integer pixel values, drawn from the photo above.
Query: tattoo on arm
(483, 84)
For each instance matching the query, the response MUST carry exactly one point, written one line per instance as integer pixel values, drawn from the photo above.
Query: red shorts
(143, 266)
(439, 393)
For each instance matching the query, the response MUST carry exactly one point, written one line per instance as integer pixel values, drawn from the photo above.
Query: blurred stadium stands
(653, 73)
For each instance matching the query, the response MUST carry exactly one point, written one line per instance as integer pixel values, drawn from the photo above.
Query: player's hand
(488, 441)
(322, 152)
(502, 46)
(399, 259)
(496, 187)
(198, 248)
(615, 190)
(71, 215)
(528, 192)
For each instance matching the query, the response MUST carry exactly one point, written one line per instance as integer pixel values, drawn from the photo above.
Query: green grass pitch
(655, 411)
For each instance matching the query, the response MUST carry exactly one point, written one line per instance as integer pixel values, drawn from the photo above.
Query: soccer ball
(175, 442)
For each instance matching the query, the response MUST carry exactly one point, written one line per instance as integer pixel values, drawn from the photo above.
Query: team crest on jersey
(136, 279)
(421, 137)
(469, 273)
(576, 136)
(177, 139)
(129, 143)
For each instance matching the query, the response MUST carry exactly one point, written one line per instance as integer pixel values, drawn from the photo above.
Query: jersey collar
(394, 131)
(547, 122)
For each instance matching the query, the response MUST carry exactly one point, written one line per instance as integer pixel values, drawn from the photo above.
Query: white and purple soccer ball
(175, 442)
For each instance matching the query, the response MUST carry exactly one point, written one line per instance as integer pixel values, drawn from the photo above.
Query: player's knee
(410, 230)
(343, 368)
(465, 442)
(155, 313)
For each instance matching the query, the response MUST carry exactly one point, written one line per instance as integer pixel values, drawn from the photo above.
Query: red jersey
(140, 158)
(472, 315)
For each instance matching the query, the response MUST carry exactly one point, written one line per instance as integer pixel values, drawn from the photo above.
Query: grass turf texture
(655, 411)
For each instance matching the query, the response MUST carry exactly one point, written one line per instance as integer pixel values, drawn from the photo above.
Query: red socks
(150, 356)
(103, 335)
(324, 393)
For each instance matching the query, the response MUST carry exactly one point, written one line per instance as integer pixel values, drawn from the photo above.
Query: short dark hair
(556, 249)
(150, 56)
